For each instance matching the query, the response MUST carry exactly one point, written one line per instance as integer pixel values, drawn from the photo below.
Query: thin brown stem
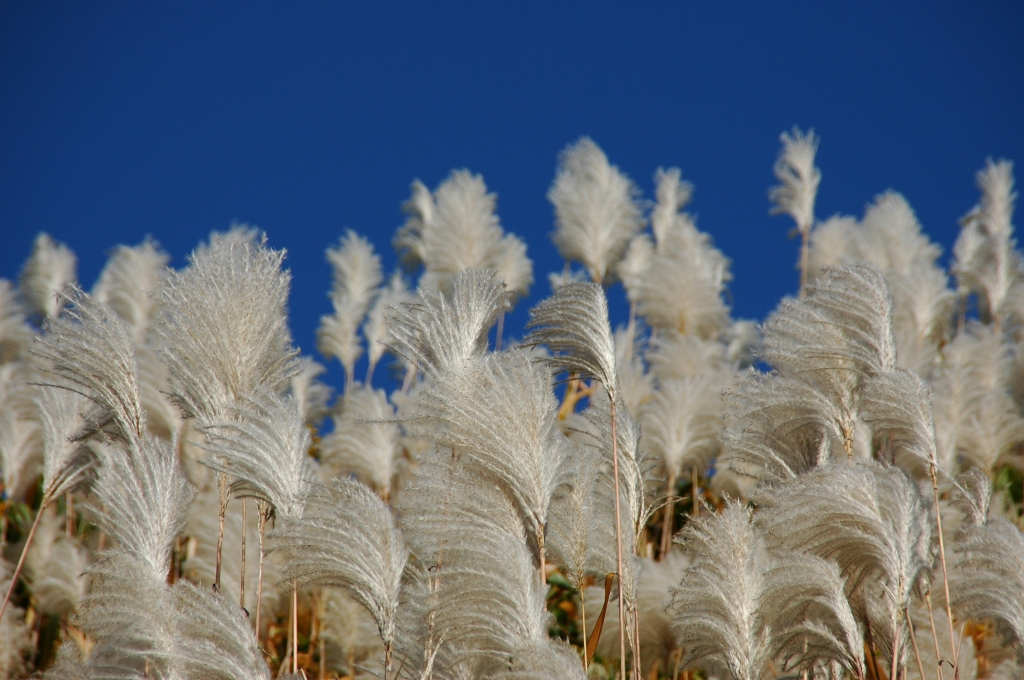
(241, 600)
(264, 515)
(21, 560)
(543, 565)
(894, 666)
(871, 649)
(583, 615)
(295, 626)
(913, 641)
(942, 560)
(935, 637)
(670, 511)
(618, 544)
(222, 485)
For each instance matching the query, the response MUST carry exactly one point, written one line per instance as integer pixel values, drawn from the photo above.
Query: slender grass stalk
(241, 597)
(21, 560)
(583, 616)
(670, 509)
(264, 514)
(618, 545)
(894, 666)
(871, 648)
(942, 559)
(935, 637)
(913, 641)
(295, 626)
(222, 485)
(695, 491)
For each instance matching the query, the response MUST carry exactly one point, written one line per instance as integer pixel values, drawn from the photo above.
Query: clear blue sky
(122, 119)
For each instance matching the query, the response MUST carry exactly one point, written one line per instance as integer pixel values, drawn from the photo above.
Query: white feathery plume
(636, 385)
(681, 285)
(799, 179)
(898, 406)
(346, 537)
(66, 461)
(456, 229)
(16, 648)
(674, 356)
(573, 323)
(162, 416)
(836, 242)
(988, 263)
(143, 495)
(214, 639)
(718, 607)
(375, 330)
(15, 334)
(310, 393)
(49, 268)
(499, 412)
(872, 521)
(988, 574)
(350, 633)
(357, 275)
(54, 566)
(20, 431)
(94, 349)
(809, 615)
(264, 446)
(978, 418)
(581, 539)
(596, 211)
(223, 325)
(632, 267)
(366, 440)
(129, 281)
(438, 333)
(681, 423)
(547, 659)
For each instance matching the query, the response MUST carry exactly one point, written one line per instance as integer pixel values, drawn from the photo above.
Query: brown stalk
(935, 637)
(670, 506)
(913, 641)
(222, 485)
(21, 560)
(241, 601)
(942, 559)
(618, 544)
(264, 515)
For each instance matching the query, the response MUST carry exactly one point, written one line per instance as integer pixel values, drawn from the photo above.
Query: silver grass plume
(350, 633)
(437, 333)
(987, 260)
(366, 439)
(223, 325)
(872, 521)
(456, 229)
(20, 432)
(54, 566)
(375, 330)
(264, 446)
(49, 268)
(66, 462)
(796, 193)
(16, 648)
(810, 616)
(718, 607)
(357, 276)
(596, 211)
(499, 412)
(581, 536)
(143, 495)
(129, 281)
(15, 334)
(346, 537)
(988, 574)
(489, 599)
(681, 422)
(898, 406)
(309, 392)
(94, 349)
(573, 323)
(823, 347)
(681, 284)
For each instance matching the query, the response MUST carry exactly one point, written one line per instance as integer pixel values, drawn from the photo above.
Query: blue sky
(119, 120)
